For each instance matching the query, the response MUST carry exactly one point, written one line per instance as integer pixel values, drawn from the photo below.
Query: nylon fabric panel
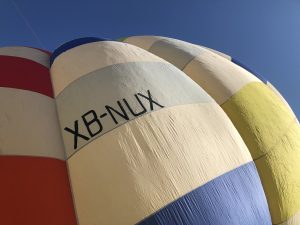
(255, 111)
(147, 163)
(228, 200)
(218, 53)
(122, 87)
(70, 65)
(279, 172)
(144, 42)
(43, 50)
(272, 135)
(36, 55)
(29, 124)
(178, 53)
(35, 191)
(218, 76)
(25, 74)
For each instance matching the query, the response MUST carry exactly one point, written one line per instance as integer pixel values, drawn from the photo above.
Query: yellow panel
(280, 174)
(141, 166)
(260, 117)
(272, 135)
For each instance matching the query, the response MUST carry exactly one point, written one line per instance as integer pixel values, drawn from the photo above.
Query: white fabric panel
(87, 58)
(219, 53)
(218, 76)
(144, 42)
(179, 53)
(29, 124)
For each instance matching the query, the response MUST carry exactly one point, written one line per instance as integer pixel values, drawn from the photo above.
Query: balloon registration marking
(92, 118)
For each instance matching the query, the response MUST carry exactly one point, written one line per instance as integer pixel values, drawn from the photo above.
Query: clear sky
(262, 34)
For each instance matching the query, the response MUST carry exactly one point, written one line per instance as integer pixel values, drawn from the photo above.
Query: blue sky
(264, 35)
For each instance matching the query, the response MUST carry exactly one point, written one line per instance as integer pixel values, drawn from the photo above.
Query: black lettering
(76, 133)
(151, 101)
(103, 115)
(93, 120)
(130, 109)
(122, 114)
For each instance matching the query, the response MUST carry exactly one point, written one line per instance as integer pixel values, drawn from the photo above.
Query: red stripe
(35, 191)
(25, 74)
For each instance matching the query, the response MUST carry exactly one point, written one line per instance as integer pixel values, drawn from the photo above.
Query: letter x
(151, 101)
(76, 133)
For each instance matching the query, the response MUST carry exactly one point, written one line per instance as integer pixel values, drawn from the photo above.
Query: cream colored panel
(179, 53)
(27, 53)
(144, 42)
(217, 76)
(219, 53)
(134, 170)
(129, 88)
(212, 70)
(295, 220)
(87, 58)
(29, 124)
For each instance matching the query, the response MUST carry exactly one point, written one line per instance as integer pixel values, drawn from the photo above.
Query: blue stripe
(72, 44)
(235, 198)
(249, 70)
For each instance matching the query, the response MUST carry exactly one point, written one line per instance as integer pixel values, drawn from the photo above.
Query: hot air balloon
(262, 117)
(146, 130)
(146, 145)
